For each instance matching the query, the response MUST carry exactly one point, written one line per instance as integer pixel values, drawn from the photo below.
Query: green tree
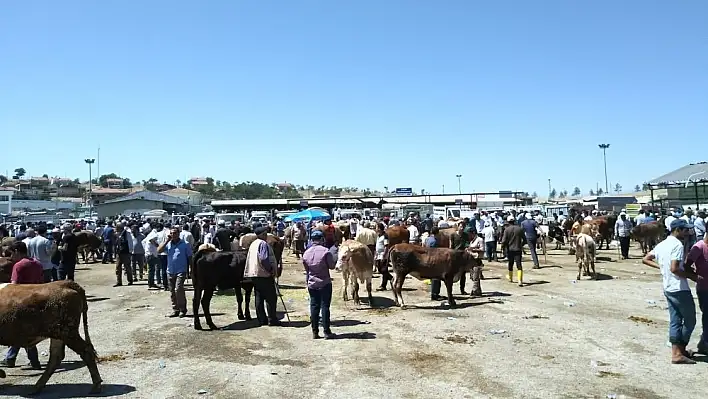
(534, 195)
(19, 172)
(210, 181)
(576, 191)
(562, 194)
(592, 192)
(637, 188)
(618, 188)
(3, 179)
(103, 179)
(46, 176)
(600, 191)
(552, 194)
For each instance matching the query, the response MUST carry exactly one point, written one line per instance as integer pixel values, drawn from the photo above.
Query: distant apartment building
(114, 183)
(197, 182)
(6, 195)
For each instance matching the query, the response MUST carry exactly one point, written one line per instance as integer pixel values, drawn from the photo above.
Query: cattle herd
(32, 313)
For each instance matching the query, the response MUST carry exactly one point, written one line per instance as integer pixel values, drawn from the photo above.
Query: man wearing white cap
(623, 229)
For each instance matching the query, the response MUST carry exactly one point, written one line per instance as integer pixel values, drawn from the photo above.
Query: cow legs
(398, 288)
(88, 355)
(368, 292)
(248, 288)
(579, 261)
(206, 302)
(56, 355)
(195, 305)
(239, 303)
(345, 285)
(355, 291)
(449, 281)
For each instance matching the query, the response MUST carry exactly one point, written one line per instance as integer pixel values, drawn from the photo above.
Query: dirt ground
(554, 338)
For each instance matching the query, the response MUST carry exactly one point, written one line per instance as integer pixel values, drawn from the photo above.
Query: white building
(6, 200)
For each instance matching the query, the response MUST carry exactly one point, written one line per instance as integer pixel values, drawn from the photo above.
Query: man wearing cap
(318, 261)
(513, 240)
(179, 256)
(623, 229)
(530, 229)
(668, 256)
(262, 268)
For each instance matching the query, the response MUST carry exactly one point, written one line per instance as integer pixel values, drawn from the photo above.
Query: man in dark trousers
(26, 270)
(262, 268)
(223, 237)
(69, 251)
(124, 257)
(513, 239)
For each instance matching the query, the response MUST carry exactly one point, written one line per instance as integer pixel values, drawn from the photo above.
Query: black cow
(556, 233)
(222, 270)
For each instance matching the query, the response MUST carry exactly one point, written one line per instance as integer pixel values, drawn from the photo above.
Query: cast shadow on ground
(441, 305)
(536, 282)
(95, 299)
(380, 302)
(82, 269)
(290, 287)
(355, 335)
(604, 259)
(495, 294)
(551, 267)
(64, 366)
(335, 323)
(602, 276)
(67, 391)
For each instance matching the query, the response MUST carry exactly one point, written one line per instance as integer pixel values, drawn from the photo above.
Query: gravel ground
(554, 338)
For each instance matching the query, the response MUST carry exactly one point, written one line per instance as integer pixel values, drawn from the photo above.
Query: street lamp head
(458, 176)
(89, 160)
(604, 146)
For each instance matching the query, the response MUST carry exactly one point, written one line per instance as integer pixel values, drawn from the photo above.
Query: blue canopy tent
(308, 215)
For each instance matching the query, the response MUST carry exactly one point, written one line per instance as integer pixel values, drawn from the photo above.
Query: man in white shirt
(668, 256)
(413, 231)
(490, 242)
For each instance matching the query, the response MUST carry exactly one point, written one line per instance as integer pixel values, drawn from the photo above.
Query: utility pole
(90, 162)
(604, 158)
(459, 183)
(549, 188)
(443, 189)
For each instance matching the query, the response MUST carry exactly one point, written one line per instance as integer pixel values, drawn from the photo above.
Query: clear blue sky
(370, 93)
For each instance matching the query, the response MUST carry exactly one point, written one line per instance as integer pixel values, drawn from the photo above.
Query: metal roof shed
(677, 182)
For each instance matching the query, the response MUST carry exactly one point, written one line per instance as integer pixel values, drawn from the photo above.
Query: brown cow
(428, 263)
(605, 227)
(31, 313)
(648, 235)
(585, 255)
(397, 235)
(88, 244)
(245, 241)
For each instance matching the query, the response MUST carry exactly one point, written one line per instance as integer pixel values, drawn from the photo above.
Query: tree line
(576, 191)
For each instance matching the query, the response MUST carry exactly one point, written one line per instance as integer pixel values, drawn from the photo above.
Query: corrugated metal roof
(249, 202)
(696, 172)
(148, 196)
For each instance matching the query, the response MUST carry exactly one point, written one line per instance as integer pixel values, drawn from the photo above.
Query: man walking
(179, 256)
(69, 251)
(623, 229)
(529, 225)
(261, 268)
(108, 243)
(318, 261)
(668, 257)
(25, 271)
(513, 241)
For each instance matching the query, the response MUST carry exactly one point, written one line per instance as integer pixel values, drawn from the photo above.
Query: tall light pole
(90, 162)
(604, 158)
(459, 183)
(549, 188)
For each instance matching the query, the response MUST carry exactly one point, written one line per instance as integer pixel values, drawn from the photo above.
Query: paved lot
(555, 338)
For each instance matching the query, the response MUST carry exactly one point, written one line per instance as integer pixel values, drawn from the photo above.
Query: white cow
(585, 250)
(356, 262)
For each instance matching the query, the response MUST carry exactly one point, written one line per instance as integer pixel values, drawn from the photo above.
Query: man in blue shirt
(435, 283)
(529, 225)
(108, 237)
(179, 256)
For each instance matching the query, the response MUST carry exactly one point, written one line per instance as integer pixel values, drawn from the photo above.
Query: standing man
(137, 251)
(529, 226)
(318, 261)
(299, 235)
(381, 259)
(490, 240)
(161, 238)
(108, 242)
(40, 248)
(153, 259)
(262, 268)
(698, 258)
(513, 240)
(668, 257)
(179, 256)
(623, 229)
(223, 237)
(435, 283)
(69, 251)
(25, 271)
(124, 258)
(367, 237)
